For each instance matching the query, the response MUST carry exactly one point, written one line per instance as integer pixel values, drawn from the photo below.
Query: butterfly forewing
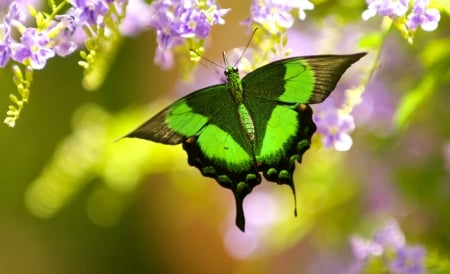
(208, 116)
(328, 69)
(180, 120)
(307, 80)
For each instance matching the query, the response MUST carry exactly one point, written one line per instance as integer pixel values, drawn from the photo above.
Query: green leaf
(443, 5)
(371, 40)
(411, 101)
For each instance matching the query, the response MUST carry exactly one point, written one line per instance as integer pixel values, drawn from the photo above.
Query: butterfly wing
(208, 125)
(277, 97)
(308, 79)
(209, 116)
(178, 121)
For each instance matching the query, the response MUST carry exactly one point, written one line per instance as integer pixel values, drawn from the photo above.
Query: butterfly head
(229, 70)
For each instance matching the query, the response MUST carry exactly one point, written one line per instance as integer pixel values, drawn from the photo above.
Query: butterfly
(260, 124)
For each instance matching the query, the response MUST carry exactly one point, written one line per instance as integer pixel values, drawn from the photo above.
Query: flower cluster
(334, 126)
(179, 20)
(421, 14)
(275, 16)
(387, 250)
(61, 34)
(52, 34)
(98, 26)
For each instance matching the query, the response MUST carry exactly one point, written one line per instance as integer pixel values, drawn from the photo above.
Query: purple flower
(64, 46)
(362, 248)
(390, 8)
(33, 47)
(4, 55)
(66, 40)
(15, 12)
(427, 19)
(164, 58)
(177, 20)
(192, 23)
(22, 5)
(389, 249)
(334, 126)
(137, 17)
(390, 236)
(409, 260)
(14, 17)
(5, 51)
(90, 11)
(387, 239)
(272, 14)
(166, 36)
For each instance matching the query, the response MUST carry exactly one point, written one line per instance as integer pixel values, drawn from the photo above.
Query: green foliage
(437, 263)
(435, 60)
(23, 83)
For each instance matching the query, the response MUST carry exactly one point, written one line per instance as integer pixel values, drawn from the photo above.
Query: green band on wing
(220, 147)
(299, 82)
(281, 127)
(184, 121)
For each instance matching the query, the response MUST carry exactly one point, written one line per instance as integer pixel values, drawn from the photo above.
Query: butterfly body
(261, 123)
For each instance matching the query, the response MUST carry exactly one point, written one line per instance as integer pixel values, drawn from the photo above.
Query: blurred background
(75, 200)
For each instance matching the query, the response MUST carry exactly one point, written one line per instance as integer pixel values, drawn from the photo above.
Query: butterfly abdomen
(235, 87)
(246, 122)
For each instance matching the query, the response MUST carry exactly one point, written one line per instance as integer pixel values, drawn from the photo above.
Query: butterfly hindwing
(208, 125)
(277, 95)
(283, 134)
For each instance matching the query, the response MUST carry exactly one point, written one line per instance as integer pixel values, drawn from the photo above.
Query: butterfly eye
(235, 69)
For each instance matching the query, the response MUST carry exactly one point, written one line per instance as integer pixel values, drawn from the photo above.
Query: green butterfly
(260, 123)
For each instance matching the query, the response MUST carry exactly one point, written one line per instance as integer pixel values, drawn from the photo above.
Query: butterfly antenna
(246, 46)
(206, 59)
(225, 59)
